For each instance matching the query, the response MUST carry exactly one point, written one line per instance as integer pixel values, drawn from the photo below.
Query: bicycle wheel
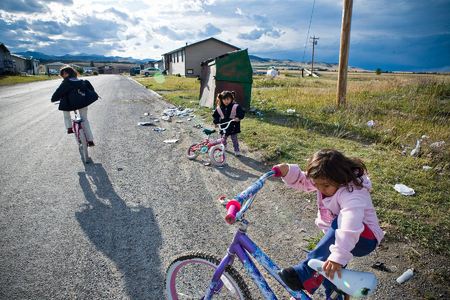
(83, 146)
(217, 155)
(192, 152)
(189, 275)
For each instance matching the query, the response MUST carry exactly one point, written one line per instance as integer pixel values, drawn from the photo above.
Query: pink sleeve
(297, 179)
(350, 226)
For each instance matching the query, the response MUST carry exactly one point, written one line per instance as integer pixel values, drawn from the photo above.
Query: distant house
(187, 60)
(53, 68)
(6, 62)
(25, 64)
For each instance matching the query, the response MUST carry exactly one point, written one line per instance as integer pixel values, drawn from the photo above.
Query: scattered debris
(171, 141)
(436, 146)
(207, 164)
(189, 119)
(166, 118)
(381, 266)
(159, 129)
(179, 121)
(371, 123)
(119, 169)
(290, 111)
(177, 112)
(198, 126)
(416, 150)
(407, 275)
(403, 189)
(146, 114)
(146, 124)
(427, 168)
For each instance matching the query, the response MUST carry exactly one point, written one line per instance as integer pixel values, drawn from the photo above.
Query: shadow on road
(129, 236)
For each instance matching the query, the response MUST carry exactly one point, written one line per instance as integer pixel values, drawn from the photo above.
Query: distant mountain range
(82, 57)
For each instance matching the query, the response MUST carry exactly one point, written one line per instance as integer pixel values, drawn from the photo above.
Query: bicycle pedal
(223, 200)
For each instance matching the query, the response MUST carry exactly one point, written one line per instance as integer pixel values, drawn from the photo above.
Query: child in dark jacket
(227, 109)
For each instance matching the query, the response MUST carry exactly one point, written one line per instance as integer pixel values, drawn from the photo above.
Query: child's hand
(331, 267)
(236, 119)
(284, 169)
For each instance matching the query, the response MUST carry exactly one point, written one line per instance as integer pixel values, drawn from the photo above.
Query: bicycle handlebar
(226, 127)
(234, 206)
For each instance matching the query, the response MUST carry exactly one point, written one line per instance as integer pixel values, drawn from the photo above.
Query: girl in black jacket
(70, 84)
(227, 109)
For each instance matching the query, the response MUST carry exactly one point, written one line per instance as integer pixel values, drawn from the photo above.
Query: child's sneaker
(69, 130)
(237, 153)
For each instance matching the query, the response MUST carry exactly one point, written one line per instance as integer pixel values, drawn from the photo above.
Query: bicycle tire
(192, 154)
(174, 280)
(217, 155)
(83, 146)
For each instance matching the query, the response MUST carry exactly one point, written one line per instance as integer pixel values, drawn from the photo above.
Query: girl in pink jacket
(345, 214)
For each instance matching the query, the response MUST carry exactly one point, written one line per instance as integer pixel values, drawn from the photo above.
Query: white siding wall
(177, 63)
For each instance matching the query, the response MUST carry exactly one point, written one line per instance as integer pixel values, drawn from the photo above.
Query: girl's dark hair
(333, 165)
(224, 95)
(69, 70)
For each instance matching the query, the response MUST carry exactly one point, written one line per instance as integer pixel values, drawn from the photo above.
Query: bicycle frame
(76, 125)
(242, 247)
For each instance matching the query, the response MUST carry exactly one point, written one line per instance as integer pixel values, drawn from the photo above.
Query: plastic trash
(381, 266)
(416, 150)
(437, 145)
(179, 121)
(171, 141)
(407, 275)
(146, 124)
(166, 118)
(290, 111)
(371, 123)
(403, 189)
(159, 129)
(146, 114)
(427, 168)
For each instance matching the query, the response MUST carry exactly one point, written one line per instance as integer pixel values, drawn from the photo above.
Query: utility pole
(314, 42)
(343, 53)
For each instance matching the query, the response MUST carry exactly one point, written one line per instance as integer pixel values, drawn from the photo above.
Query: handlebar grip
(233, 208)
(277, 171)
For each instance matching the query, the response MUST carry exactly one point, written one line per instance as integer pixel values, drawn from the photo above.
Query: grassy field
(9, 80)
(404, 108)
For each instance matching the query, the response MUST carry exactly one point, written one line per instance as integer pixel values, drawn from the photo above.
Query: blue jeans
(366, 244)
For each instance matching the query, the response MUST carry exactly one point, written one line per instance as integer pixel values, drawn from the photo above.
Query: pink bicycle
(80, 137)
(215, 148)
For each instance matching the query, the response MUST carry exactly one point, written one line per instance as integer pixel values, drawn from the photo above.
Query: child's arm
(60, 91)
(350, 226)
(296, 178)
(240, 114)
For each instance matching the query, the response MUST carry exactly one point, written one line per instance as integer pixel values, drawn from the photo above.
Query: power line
(309, 27)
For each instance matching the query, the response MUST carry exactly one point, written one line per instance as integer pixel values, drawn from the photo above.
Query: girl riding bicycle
(227, 109)
(68, 102)
(346, 215)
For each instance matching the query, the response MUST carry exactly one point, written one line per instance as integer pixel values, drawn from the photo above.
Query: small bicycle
(80, 137)
(198, 275)
(214, 147)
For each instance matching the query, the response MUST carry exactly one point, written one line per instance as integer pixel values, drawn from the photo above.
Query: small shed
(231, 71)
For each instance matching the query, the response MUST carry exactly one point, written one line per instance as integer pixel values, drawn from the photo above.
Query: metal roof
(202, 41)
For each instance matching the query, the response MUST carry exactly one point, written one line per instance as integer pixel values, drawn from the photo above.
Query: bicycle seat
(208, 131)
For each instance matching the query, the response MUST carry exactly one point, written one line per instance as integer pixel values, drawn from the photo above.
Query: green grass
(9, 80)
(404, 107)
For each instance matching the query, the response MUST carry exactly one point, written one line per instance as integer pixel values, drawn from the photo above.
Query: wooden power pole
(314, 42)
(343, 54)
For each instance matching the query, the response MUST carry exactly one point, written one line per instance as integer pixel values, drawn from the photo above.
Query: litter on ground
(290, 111)
(171, 141)
(370, 123)
(166, 118)
(403, 189)
(407, 275)
(427, 168)
(146, 124)
(159, 129)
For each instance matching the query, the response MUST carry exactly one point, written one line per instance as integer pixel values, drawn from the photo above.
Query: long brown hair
(335, 166)
(224, 95)
(69, 70)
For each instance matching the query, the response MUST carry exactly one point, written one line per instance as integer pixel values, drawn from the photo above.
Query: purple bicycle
(198, 275)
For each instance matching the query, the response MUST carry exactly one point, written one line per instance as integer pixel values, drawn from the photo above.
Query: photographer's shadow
(129, 236)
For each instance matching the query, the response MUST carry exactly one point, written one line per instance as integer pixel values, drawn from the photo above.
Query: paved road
(109, 229)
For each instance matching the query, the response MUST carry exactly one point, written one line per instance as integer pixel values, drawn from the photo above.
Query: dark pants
(366, 244)
(235, 141)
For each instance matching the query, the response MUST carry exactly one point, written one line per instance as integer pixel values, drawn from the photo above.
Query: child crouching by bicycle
(345, 214)
(227, 109)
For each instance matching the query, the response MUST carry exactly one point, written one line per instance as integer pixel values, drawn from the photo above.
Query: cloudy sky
(392, 35)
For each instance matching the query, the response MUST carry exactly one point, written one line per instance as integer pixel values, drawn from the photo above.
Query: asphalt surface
(109, 229)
